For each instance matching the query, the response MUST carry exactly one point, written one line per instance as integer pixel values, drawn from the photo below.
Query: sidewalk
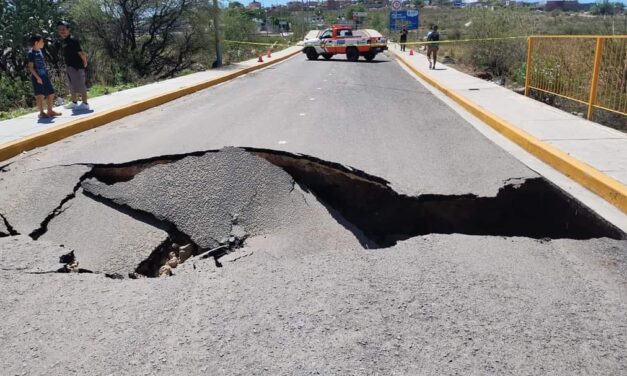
(21, 127)
(602, 148)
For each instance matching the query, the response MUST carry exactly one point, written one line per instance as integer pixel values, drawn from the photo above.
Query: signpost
(400, 18)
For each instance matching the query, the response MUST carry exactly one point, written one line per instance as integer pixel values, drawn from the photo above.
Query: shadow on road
(49, 120)
(358, 61)
(82, 112)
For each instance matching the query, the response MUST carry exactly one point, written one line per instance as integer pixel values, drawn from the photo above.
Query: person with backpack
(432, 48)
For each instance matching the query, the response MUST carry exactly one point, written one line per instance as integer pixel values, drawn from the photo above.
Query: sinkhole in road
(531, 208)
(367, 206)
(362, 209)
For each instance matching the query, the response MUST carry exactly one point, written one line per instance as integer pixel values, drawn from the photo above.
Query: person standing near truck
(432, 48)
(76, 63)
(403, 37)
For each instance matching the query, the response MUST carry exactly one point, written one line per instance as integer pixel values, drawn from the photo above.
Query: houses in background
(545, 5)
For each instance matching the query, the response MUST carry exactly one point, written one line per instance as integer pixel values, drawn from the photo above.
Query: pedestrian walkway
(21, 127)
(601, 147)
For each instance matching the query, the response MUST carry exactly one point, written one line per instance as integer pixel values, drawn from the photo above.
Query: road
(366, 228)
(373, 117)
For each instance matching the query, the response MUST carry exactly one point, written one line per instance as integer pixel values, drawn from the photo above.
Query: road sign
(400, 18)
(396, 5)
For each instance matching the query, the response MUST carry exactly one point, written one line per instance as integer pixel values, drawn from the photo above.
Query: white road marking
(282, 142)
(302, 114)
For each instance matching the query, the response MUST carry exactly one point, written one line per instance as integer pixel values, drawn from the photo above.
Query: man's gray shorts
(76, 80)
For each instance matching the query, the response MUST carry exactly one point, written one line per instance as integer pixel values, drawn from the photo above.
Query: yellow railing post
(595, 77)
(528, 68)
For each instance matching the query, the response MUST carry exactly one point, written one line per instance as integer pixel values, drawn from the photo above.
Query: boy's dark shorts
(45, 88)
(76, 79)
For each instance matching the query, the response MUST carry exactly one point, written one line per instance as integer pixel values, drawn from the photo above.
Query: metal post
(595, 77)
(216, 27)
(528, 67)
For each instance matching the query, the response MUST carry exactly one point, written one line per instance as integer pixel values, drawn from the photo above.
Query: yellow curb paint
(13, 148)
(594, 180)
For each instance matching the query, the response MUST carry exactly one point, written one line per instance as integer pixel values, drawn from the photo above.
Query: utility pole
(216, 28)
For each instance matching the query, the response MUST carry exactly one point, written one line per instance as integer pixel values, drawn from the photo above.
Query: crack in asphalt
(364, 204)
(43, 227)
(8, 226)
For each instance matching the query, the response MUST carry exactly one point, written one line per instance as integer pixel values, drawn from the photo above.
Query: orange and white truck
(341, 40)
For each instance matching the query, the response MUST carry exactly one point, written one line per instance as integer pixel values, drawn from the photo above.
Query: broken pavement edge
(592, 179)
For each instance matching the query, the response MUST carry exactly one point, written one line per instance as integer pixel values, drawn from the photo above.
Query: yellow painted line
(594, 180)
(48, 136)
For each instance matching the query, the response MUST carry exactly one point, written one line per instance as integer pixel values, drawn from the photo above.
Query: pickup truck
(339, 40)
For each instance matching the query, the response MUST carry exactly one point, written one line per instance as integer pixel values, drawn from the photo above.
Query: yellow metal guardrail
(588, 69)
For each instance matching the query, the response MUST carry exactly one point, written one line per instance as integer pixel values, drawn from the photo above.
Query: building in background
(254, 5)
(567, 5)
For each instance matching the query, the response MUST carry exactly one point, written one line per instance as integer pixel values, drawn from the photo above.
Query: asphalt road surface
(297, 288)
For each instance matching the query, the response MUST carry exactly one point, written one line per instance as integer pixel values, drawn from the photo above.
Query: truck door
(342, 38)
(326, 40)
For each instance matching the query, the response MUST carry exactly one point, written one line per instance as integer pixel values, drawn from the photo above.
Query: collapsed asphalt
(288, 276)
(131, 219)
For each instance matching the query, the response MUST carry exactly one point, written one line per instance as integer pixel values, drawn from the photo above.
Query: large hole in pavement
(370, 207)
(531, 208)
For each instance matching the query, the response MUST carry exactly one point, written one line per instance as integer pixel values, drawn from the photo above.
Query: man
(432, 48)
(403, 37)
(75, 62)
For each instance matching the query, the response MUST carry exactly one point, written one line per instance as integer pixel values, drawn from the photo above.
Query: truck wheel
(352, 54)
(327, 56)
(312, 54)
(370, 56)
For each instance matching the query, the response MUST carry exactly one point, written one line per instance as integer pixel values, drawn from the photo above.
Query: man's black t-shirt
(71, 47)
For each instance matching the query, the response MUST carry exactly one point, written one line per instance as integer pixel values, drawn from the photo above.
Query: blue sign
(407, 18)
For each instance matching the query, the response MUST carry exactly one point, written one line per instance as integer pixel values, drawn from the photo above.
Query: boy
(432, 48)
(42, 87)
(75, 62)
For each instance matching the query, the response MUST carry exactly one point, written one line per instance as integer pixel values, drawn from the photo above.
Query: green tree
(603, 8)
(153, 38)
(238, 24)
(18, 20)
(377, 21)
(352, 9)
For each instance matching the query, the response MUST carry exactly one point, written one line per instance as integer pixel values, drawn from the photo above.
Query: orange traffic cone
(269, 55)
(260, 60)
(411, 52)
